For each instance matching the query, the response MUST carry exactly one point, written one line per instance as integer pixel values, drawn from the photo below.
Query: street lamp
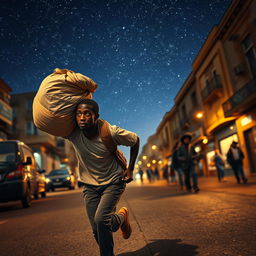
(160, 162)
(199, 115)
(154, 147)
(144, 157)
(139, 163)
(148, 165)
(205, 140)
(153, 161)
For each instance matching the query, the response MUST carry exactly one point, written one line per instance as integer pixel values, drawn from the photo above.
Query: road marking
(3, 221)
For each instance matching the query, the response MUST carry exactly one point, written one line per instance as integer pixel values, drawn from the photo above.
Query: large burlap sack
(55, 102)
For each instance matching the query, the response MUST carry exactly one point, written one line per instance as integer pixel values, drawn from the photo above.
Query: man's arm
(133, 156)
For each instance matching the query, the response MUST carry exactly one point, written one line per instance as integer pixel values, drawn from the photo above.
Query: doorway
(250, 140)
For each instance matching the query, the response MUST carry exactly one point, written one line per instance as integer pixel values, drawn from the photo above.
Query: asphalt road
(165, 222)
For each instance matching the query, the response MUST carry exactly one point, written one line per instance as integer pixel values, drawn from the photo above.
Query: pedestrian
(149, 174)
(235, 158)
(141, 175)
(172, 174)
(166, 173)
(156, 173)
(219, 163)
(176, 166)
(188, 158)
(103, 171)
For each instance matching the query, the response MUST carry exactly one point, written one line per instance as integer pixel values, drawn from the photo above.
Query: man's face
(186, 140)
(85, 117)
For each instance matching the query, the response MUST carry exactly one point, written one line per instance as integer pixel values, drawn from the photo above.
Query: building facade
(49, 151)
(5, 111)
(217, 102)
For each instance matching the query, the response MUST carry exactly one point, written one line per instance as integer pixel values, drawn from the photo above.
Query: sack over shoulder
(55, 102)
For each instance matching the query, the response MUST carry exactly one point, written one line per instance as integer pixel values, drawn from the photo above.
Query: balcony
(242, 100)
(212, 89)
(5, 112)
(42, 138)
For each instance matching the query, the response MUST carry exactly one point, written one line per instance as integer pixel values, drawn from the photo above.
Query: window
(207, 83)
(31, 129)
(194, 99)
(167, 134)
(60, 143)
(250, 54)
(183, 110)
(29, 104)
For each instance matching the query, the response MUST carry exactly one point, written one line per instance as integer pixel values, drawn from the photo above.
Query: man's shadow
(165, 247)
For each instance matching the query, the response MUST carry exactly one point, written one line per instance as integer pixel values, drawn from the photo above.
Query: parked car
(19, 176)
(60, 178)
(42, 185)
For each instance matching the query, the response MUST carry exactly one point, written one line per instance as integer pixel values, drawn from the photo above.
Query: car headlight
(47, 180)
(68, 178)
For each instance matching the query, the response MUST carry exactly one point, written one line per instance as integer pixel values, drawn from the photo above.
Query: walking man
(219, 163)
(188, 158)
(235, 158)
(176, 165)
(103, 172)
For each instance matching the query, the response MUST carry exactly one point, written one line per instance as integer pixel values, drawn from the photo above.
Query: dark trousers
(100, 204)
(238, 171)
(220, 172)
(190, 173)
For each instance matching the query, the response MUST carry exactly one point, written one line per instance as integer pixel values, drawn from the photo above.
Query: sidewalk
(211, 184)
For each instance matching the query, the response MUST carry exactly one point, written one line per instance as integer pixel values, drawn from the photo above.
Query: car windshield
(7, 152)
(58, 172)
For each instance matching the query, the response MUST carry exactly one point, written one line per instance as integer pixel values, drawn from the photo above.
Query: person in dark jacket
(235, 158)
(188, 158)
(175, 165)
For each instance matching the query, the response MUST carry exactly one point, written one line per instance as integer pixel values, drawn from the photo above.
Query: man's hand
(128, 175)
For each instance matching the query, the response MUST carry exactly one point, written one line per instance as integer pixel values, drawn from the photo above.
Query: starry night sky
(139, 51)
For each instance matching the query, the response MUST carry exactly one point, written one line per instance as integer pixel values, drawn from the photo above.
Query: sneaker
(125, 227)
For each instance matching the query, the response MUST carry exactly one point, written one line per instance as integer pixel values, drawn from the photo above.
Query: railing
(214, 83)
(239, 97)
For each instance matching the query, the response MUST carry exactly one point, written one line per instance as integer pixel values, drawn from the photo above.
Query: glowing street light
(160, 162)
(144, 157)
(154, 147)
(199, 115)
(139, 163)
(205, 140)
(153, 161)
(148, 165)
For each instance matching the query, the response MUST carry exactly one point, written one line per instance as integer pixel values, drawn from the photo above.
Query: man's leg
(92, 199)
(219, 173)
(180, 176)
(105, 218)
(187, 179)
(194, 178)
(235, 170)
(241, 172)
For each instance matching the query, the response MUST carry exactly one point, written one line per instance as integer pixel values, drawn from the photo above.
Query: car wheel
(26, 198)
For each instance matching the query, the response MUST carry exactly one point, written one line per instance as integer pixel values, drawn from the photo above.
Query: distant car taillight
(17, 173)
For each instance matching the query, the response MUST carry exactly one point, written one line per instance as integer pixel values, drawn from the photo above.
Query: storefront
(222, 137)
(246, 125)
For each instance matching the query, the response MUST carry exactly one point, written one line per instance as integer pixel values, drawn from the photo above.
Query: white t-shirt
(97, 165)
